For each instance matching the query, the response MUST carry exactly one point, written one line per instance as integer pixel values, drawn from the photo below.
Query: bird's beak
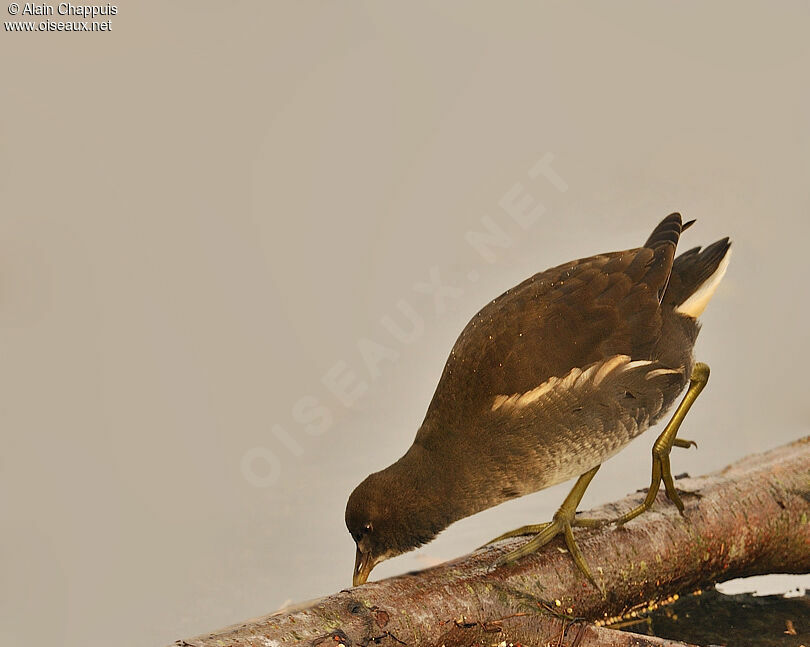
(363, 563)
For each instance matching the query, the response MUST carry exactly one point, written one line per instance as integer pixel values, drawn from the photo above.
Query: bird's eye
(367, 528)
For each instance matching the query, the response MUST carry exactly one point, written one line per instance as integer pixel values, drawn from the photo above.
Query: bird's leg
(664, 444)
(561, 523)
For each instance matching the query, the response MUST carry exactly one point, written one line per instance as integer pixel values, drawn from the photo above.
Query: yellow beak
(362, 567)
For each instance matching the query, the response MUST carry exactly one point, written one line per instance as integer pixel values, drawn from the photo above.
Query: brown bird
(545, 383)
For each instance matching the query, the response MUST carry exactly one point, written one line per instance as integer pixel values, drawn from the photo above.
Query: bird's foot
(536, 528)
(562, 523)
(660, 472)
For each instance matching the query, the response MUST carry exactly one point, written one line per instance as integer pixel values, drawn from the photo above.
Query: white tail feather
(696, 304)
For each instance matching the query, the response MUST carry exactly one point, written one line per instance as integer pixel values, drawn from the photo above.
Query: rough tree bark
(750, 518)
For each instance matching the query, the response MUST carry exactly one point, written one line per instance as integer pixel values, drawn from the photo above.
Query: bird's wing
(567, 317)
(567, 424)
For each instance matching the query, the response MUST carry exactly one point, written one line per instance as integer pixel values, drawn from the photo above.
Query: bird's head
(387, 516)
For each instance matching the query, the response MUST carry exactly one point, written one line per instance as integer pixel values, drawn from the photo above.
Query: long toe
(579, 560)
(523, 531)
(669, 483)
(584, 522)
(551, 530)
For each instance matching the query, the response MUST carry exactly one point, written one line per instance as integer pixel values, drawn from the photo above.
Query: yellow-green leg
(665, 442)
(562, 522)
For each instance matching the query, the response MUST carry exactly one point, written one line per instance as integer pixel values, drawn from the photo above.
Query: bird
(544, 384)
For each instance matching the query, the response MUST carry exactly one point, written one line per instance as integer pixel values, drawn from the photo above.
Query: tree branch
(750, 518)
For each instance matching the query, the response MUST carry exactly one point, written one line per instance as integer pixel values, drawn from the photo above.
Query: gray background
(207, 208)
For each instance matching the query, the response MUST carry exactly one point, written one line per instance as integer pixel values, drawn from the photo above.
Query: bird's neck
(444, 484)
(423, 494)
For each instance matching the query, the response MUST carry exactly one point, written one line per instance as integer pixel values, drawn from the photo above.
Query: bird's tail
(663, 241)
(667, 232)
(695, 276)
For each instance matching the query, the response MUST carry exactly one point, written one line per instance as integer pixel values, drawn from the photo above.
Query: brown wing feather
(565, 317)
